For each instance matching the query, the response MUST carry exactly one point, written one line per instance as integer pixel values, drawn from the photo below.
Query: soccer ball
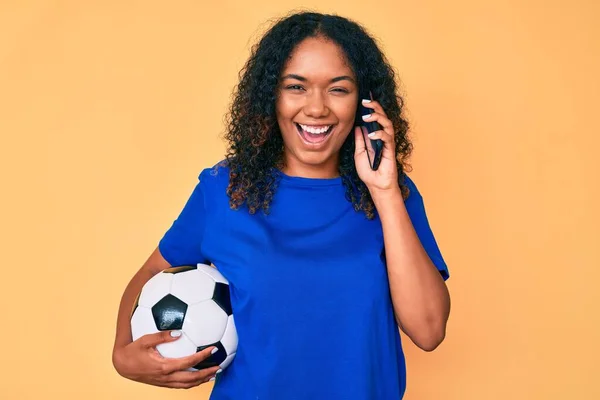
(195, 300)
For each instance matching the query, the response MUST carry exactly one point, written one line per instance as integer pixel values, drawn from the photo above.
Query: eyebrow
(303, 79)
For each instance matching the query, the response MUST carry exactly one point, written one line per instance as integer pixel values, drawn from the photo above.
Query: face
(316, 103)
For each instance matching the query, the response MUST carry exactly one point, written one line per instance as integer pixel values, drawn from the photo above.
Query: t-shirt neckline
(305, 181)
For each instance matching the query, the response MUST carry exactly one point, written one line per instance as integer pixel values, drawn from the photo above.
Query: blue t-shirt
(309, 289)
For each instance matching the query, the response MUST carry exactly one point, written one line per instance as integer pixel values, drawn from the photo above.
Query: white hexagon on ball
(142, 323)
(227, 361)
(205, 323)
(192, 287)
(155, 289)
(181, 347)
(213, 273)
(230, 339)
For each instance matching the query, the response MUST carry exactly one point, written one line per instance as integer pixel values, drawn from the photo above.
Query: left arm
(419, 294)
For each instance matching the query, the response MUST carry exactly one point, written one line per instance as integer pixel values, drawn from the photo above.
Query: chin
(314, 159)
(311, 155)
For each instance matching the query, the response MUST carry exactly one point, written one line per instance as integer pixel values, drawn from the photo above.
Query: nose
(316, 105)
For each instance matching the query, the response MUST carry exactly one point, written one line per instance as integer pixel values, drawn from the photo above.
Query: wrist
(386, 196)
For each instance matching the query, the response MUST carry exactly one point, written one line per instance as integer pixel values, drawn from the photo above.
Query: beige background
(109, 110)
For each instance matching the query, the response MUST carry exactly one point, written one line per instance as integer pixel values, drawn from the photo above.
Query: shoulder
(213, 182)
(215, 176)
(412, 187)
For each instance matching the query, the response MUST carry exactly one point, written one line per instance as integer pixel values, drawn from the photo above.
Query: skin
(139, 360)
(312, 92)
(317, 88)
(321, 91)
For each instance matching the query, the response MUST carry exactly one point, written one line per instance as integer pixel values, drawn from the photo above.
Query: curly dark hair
(255, 145)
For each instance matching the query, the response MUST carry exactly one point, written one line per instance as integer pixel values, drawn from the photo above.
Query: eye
(294, 87)
(340, 90)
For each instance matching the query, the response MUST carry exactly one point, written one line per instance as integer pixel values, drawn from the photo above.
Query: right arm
(154, 265)
(139, 360)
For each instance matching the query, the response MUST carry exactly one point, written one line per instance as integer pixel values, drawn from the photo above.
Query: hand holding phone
(374, 147)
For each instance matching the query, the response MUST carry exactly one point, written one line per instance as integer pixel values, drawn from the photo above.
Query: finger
(388, 142)
(380, 134)
(372, 104)
(154, 339)
(385, 123)
(359, 142)
(188, 385)
(178, 385)
(202, 375)
(363, 143)
(183, 363)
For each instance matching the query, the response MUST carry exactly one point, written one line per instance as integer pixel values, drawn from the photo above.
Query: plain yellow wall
(109, 110)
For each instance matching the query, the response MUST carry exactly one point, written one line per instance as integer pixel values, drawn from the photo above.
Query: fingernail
(213, 351)
(366, 116)
(175, 333)
(366, 100)
(371, 134)
(219, 371)
(212, 379)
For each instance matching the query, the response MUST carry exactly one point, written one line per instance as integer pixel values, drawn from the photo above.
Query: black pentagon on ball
(221, 297)
(169, 313)
(214, 359)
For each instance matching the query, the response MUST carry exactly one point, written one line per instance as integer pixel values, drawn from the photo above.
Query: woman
(326, 257)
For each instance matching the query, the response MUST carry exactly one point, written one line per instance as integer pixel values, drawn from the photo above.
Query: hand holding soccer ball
(141, 362)
(182, 329)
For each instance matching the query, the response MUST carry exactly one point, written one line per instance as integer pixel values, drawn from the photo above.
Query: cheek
(345, 112)
(285, 109)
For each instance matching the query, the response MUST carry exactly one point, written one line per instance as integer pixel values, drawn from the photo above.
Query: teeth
(315, 131)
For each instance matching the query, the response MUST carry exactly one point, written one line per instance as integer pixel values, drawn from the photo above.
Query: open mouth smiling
(314, 134)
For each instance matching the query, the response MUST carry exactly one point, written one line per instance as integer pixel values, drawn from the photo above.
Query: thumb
(359, 140)
(154, 339)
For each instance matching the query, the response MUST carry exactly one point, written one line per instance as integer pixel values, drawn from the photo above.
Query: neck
(326, 170)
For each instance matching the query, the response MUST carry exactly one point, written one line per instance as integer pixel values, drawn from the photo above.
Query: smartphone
(374, 146)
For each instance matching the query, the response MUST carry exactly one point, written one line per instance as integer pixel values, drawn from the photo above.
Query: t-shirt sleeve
(416, 210)
(182, 242)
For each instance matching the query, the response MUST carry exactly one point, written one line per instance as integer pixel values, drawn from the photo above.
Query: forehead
(316, 58)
